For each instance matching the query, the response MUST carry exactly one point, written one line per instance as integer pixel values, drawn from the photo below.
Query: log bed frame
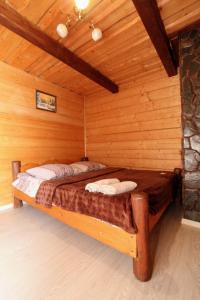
(134, 245)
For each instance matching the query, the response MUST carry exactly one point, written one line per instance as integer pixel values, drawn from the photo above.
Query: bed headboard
(16, 168)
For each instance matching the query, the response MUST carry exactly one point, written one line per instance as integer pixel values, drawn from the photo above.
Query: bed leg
(142, 263)
(17, 203)
(16, 168)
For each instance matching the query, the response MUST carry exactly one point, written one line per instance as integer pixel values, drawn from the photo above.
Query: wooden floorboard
(41, 258)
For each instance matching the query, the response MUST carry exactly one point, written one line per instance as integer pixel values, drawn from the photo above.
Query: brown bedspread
(69, 193)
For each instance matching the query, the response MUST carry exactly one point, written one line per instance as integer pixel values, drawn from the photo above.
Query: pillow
(90, 165)
(78, 168)
(51, 171)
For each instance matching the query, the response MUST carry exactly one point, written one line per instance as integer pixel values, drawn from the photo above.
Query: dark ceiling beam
(150, 16)
(15, 22)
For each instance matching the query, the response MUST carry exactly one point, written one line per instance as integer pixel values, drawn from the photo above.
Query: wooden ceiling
(125, 53)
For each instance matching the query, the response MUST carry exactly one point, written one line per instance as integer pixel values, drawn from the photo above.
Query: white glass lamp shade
(82, 4)
(62, 30)
(96, 34)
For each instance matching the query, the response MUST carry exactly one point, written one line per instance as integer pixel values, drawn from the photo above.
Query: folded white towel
(95, 186)
(118, 188)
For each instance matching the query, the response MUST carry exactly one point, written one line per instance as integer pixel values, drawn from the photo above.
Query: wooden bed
(134, 245)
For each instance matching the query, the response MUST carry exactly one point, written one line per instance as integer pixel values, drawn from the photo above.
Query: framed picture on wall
(45, 101)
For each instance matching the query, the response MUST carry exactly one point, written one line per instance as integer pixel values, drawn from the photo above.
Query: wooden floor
(40, 258)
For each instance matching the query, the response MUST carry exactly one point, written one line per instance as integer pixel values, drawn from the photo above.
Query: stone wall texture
(190, 94)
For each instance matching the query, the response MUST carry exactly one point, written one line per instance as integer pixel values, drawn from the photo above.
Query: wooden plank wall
(29, 134)
(140, 127)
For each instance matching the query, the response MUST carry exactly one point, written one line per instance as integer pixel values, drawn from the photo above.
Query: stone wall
(190, 94)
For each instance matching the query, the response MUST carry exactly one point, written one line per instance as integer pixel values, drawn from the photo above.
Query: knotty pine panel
(132, 61)
(140, 127)
(29, 134)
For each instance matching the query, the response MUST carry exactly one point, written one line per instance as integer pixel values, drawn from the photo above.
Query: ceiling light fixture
(80, 5)
(96, 33)
(62, 29)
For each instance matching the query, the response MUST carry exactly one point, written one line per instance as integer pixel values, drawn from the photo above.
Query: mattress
(70, 194)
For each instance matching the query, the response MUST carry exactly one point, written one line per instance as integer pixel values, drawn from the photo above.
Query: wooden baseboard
(6, 207)
(191, 223)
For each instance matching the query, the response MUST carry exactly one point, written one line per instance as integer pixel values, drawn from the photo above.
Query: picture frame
(46, 101)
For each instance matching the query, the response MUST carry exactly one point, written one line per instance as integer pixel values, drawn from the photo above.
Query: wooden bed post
(142, 263)
(16, 168)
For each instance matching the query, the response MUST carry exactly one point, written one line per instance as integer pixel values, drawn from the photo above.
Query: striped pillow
(90, 165)
(51, 171)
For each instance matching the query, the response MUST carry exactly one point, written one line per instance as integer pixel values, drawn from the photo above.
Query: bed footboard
(142, 266)
(16, 168)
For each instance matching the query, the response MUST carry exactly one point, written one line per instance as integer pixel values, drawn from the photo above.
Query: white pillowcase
(51, 171)
(27, 184)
